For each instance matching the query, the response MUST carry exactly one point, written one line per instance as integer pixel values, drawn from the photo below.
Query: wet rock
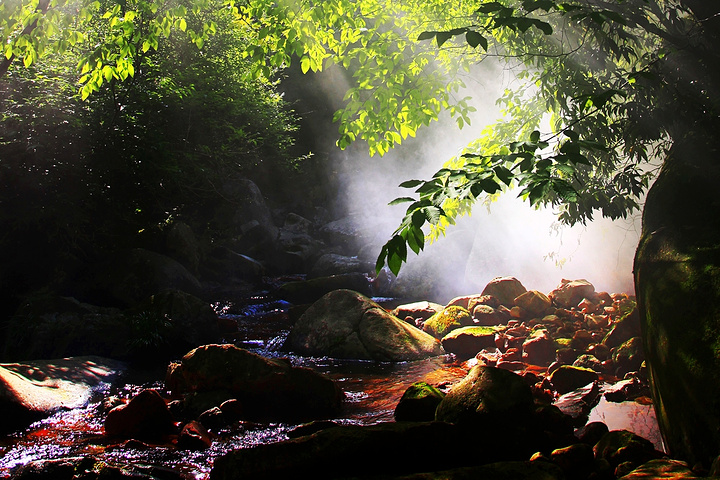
(33, 390)
(466, 342)
(628, 357)
(346, 324)
(145, 417)
(485, 315)
(418, 403)
(539, 348)
(588, 361)
(571, 292)
(309, 291)
(423, 310)
(623, 330)
(579, 402)
(620, 446)
(660, 468)
(448, 319)
(505, 289)
(194, 436)
(266, 388)
(487, 396)
(567, 378)
(535, 303)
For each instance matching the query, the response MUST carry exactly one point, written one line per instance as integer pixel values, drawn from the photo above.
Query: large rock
(446, 320)
(246, 216)
(539, 348)
(537, 304)
(418, 403)
(567, 378)
(571, 292)
(346, 324)
(33, 390)
(466, 342)
(487, 396)
(145, 417)
(505, 289)
(266, 388)
(415, 310)
(385, 450)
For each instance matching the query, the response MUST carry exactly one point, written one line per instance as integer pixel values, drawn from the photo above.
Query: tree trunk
(677, 281)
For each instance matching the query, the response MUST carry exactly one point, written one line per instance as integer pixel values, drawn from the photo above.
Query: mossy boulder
(487, 396)
(347, 324)
(418, 403)
(628, 357)
(449, 318)
(620, 446)
(466, 342)
(677, 282)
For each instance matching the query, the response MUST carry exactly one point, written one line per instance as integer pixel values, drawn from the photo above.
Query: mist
(503, 238)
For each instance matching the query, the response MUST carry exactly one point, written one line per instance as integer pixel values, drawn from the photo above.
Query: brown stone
(145, 417)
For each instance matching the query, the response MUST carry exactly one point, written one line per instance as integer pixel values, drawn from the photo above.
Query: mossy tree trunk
(677, 281)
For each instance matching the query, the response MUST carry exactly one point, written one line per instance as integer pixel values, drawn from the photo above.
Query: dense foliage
(83, 174)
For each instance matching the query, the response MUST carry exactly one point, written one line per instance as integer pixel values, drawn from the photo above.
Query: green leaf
(474, 39)
(504, 174)
(565, 190)
(489, 185)
(400, 200)
(535, 136)
(443, 37)
(427, 35)
(490, 7)
(411, 183)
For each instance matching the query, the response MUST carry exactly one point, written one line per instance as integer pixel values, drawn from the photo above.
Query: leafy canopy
(617, 81)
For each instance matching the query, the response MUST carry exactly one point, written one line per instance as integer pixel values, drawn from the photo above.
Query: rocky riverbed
(505, 383)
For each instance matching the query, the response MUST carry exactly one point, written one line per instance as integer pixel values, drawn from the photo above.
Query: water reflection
(636, 417)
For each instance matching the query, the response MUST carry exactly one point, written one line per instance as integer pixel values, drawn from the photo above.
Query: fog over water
(506, 237)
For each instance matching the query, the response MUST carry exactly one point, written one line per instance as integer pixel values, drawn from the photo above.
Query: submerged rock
(346, 324)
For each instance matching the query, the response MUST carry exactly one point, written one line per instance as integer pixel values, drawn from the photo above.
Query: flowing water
(372, 392)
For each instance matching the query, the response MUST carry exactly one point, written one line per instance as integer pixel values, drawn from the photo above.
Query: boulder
(344, 232)
(627, 327)
(468, 302)
(447, 319)
(571, 292)
(267, 389)
(423, 310)
(246, 217)
(145, 417)
(194, 436)
(628, 357)
(418, 403)
(576, 461)
(487, 396)
(535, 303)
(505, 289)
(486, 315)
(466, 342)
(36, 389)
(346, 324)
(539, 348)
(567, 378)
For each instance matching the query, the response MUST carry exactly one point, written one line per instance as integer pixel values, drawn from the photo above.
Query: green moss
(446, 320)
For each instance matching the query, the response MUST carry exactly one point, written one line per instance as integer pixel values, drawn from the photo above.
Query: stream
(372, 392)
